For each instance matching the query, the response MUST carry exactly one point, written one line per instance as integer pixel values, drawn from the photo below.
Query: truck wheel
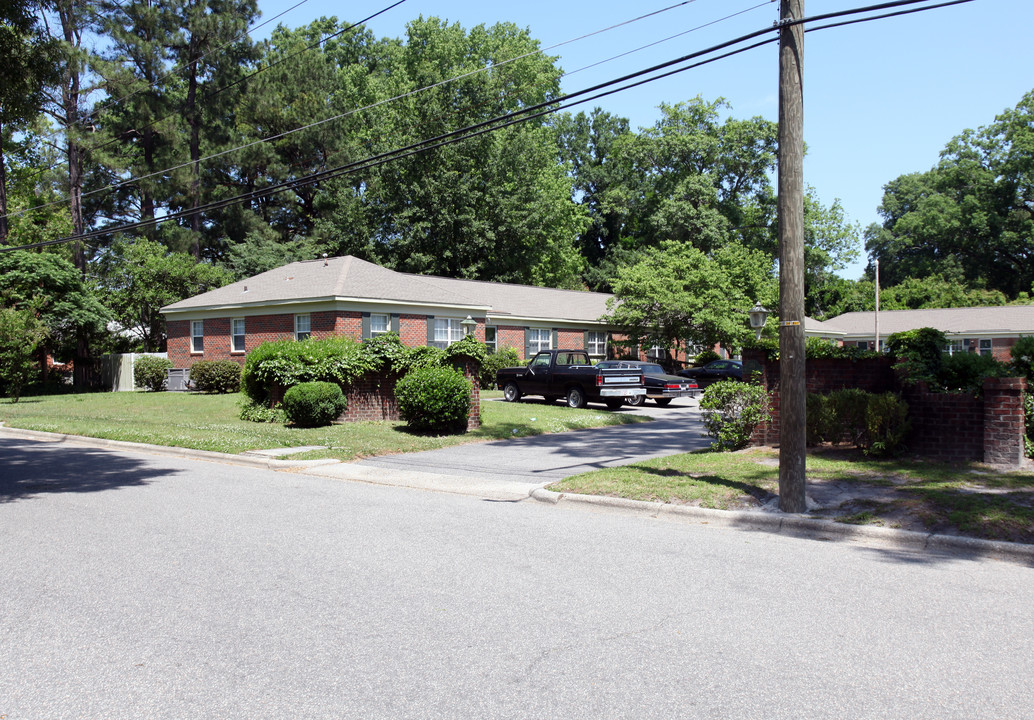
(511, 393)
(614, 403)
(635, 400)
(663, 402)
(575, 398)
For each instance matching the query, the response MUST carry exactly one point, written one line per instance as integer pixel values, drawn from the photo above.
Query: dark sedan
(661, 387)
(714, 371)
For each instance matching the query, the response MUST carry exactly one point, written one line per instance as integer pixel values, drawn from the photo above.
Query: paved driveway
(511, 468)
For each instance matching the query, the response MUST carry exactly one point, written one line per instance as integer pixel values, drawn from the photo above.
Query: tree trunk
(4, 228)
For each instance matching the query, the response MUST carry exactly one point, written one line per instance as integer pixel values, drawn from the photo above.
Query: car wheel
(635, 400)
(511, 393)
(663, 402)
(614, 403)
(575, 398)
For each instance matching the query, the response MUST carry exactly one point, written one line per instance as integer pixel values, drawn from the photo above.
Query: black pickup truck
(571, 375)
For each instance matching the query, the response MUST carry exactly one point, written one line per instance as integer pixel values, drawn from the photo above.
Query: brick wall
(952, 427)
(373, 397)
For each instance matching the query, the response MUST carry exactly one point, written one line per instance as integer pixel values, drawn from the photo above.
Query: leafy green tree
(30, 64)
(56, 292)
(493, 207)
(971, 213)
(20, 336)
(142, 276)
(678, 294)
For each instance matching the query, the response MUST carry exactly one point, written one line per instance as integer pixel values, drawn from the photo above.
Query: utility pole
(876, 347)
(792, 390)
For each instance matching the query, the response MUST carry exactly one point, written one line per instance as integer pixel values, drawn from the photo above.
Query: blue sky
(881, 98)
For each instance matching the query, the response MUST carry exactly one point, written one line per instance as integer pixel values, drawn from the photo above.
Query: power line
(402, 96)
(497, 123)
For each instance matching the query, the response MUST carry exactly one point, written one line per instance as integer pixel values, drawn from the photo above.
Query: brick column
(1003, 420)
(471, 370)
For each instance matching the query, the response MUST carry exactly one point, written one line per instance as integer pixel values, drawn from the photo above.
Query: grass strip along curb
(209, 455)
(802, 526)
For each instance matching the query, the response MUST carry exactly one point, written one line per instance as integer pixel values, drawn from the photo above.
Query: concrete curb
(802, 526)
(207, 455)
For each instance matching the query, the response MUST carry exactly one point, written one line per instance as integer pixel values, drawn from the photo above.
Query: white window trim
(493, 345)
(233, 335)
(308, 326)
(194, 324)
(595, 343)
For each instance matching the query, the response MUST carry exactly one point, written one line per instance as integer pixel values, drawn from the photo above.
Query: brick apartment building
(346, 296)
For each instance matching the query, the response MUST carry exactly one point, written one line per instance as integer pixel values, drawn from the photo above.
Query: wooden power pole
(792, 386)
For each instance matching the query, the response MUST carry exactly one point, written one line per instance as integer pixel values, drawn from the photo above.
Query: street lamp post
(758, 317)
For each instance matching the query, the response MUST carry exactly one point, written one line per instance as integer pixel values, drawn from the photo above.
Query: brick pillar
(471, 370)
(1004, 420)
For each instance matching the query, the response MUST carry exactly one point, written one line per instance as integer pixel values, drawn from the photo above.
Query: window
(597, 344)
(985, 346)
(957, 346)
(379, 324)
(237, 335)
(197, 336)
(302, 328)
(538, 340)
(447, 331)
(490, 338)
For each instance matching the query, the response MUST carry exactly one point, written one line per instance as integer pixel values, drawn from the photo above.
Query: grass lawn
(965, 499)
(211, 422)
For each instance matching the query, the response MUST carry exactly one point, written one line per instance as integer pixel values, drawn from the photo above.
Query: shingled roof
(1002, 320)
(351, 279)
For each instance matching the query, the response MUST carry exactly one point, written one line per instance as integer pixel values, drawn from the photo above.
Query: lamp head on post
(468, 324)
(758, 317)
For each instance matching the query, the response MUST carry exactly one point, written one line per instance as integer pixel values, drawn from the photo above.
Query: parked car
(569, 374)
(714, 371)
(661, 387)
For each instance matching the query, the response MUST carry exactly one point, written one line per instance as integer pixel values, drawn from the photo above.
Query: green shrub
(705, 357)
(469, 348)
(1028, 407)
(887, 425)
(151, 372)
(847, 412)
(216, 376)
(918, 354)
(732, 410)
(965, 372)
(312, 404)
(507, 357)
(1023, 359)
(435, 399)
(817, 423)
(254, 412)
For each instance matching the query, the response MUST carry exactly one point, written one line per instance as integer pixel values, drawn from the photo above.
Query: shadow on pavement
(28, 470)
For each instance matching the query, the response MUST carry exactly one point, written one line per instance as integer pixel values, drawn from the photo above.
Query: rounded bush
(216, 376)
(732, 409)
(435, 399)
(507, 357)
(312, 404)
(151, 372)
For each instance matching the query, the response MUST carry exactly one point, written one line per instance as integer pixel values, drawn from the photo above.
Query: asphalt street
(141, 586)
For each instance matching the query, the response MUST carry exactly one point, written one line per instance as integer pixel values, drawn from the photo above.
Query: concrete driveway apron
(510, 469)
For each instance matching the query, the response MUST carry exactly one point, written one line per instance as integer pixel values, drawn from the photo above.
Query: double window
(538, 340)
(447, 331)
(302, 327)
(596, 344)
(197, 336)
(237, 335)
